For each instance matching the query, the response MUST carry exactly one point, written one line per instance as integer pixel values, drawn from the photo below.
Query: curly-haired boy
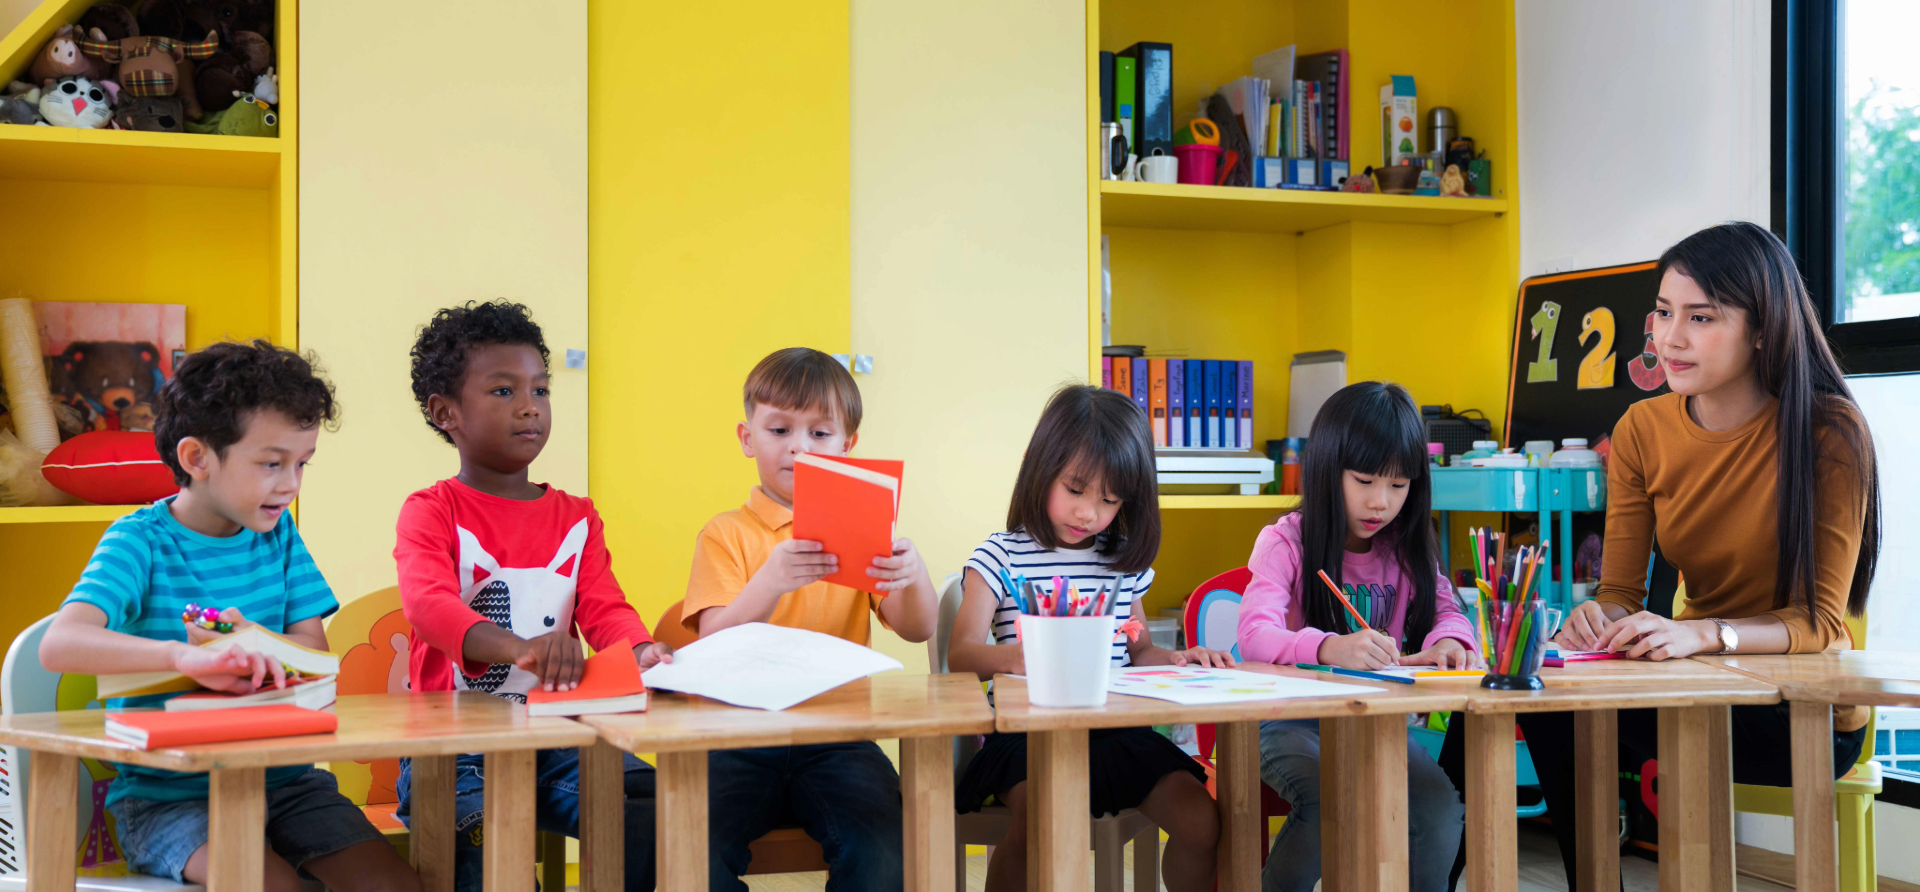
(237, 425)
(497, 571)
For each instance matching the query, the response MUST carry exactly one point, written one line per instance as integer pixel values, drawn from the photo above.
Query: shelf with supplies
(1240, 209)
(67, 514)
(1268, 503)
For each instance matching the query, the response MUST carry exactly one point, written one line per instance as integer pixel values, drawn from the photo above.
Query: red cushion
(110, 468)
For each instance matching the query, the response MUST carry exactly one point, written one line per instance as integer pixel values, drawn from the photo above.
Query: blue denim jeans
(306, 819)
(845, 795)
(556, 809)
(1290, 764)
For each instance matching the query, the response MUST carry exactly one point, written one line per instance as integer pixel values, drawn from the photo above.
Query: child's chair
(1852, 794)
(26, 686)
(783, 849)
(370, 636)
(1212, 619)
(988, 826)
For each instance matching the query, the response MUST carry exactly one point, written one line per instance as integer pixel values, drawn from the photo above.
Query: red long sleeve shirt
(466, 557)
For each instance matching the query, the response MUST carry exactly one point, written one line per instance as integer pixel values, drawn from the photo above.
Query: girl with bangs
(1365, 498)
(1086, 508)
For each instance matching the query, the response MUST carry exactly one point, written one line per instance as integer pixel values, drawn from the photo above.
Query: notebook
(159, 730)
(764, 666)
(306, 693)
(849, 505)
(259, 639)
(610, 683)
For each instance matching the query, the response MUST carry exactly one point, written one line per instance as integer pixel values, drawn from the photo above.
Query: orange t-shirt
(734, 545)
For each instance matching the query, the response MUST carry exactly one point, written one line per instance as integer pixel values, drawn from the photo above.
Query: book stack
(1307, 126)
(1191, 403)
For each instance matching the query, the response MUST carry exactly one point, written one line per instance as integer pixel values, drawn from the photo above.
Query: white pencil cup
(1067, 659)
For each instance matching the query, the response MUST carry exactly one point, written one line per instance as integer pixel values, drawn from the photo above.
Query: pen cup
(1067, 659)
(1519, 645)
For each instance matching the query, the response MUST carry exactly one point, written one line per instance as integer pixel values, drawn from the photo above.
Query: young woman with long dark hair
(1757, 477)
(1364, 518)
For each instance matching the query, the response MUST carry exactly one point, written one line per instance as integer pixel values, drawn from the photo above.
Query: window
(1880, 180)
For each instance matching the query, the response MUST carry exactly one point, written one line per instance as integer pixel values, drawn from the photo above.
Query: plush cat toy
(76, 102)
(247, 117)
(155, 114)
(20, 105)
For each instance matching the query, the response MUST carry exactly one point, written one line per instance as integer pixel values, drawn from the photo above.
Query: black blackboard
(1590, 327)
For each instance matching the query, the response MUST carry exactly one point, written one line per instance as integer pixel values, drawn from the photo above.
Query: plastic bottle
(1538, 452)
(1574, 454)
(1437, 454)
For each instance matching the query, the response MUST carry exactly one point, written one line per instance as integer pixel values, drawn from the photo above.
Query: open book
(304, 692)
(609, 683)
(255, 638)
(849, 506)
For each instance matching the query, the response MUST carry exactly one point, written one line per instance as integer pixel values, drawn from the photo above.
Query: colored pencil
(1344, 602)
(1356, 673)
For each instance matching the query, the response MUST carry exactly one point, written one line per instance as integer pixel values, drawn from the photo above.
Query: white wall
(1641, 121)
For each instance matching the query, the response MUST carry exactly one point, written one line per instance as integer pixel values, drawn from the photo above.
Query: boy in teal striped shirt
(236, 425)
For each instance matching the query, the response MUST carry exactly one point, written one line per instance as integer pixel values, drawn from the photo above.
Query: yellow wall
(717, 168)
(473, 186)
(969, 241)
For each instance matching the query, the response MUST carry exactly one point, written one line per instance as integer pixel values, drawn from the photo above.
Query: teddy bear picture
(106, 360)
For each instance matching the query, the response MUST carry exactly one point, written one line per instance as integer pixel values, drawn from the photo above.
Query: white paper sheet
(764, 666)
(1195, 685)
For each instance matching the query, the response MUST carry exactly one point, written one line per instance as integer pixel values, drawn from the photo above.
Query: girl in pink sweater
(1364, 519)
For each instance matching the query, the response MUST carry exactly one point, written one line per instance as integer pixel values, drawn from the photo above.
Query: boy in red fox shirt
(496, 571)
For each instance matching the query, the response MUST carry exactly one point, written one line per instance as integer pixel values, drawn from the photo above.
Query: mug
(1113, 152)
(1157, 169)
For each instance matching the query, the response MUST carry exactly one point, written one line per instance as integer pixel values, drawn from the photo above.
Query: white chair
(988, 826)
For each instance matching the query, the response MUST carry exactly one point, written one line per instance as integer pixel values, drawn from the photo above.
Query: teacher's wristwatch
(1729, 639)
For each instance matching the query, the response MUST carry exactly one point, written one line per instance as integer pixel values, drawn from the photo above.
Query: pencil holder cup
(1067, 659)
(1519, 644)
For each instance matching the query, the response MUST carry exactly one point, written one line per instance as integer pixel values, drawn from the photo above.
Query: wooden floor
(1540, 871)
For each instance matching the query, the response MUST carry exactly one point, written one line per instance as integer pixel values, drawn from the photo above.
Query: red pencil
(1344, 602)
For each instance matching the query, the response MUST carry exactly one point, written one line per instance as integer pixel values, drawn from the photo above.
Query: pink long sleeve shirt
(1273, 622)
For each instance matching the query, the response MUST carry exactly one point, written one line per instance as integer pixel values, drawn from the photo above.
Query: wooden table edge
(1517, 705)
(639, 740)
(1043, 718)
(280, 751)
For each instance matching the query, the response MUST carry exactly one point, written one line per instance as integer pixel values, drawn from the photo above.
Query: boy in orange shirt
(747, 567)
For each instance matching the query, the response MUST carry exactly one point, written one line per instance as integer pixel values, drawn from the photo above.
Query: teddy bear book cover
(105, 361)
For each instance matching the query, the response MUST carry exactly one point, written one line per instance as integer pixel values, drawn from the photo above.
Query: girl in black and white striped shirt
(1085, 507)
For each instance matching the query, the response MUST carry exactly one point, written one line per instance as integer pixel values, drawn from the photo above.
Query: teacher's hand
(1582, 629)
(1646, 635)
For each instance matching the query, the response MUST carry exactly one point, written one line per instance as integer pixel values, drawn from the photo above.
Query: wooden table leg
(1236, 752)
(926, 789)
(1596, 797)
(1688, 838)
(1815, 855)
(236, 829)
(1720, 872)
(1057, 818)
(430, 825)
(508, 837)
(603, 818)
(680, 822)
(53, 799)
(1493, 848)
(1363, 803)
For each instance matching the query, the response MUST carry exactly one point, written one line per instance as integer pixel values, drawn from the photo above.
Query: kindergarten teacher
(1757, 476)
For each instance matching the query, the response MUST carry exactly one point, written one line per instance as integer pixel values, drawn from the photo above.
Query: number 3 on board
(1596, 369)
(1544, 322)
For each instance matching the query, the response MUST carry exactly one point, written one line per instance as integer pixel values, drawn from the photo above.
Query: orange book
(849, 505)
(609, 683)
(1123, 376)
(1157, 399)
(160, 730)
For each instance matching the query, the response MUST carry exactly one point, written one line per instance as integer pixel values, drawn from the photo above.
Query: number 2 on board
(1544, 323)
(1596, 369)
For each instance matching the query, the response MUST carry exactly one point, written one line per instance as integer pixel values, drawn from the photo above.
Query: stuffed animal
(1452, 184)
(153, 66)
(252, 50)
(219, 79)
(266, 87)
(180, 18)
(76, 102)
(112, 19)
(108, 379)
(61, 57)
(155, 114)
(20, 105)
(247, 117)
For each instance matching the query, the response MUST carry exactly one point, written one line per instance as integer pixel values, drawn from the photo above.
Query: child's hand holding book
(795, 564)
(234, 669)
(899, 571)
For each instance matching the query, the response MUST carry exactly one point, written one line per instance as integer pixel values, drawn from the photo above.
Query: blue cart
(1553, 494)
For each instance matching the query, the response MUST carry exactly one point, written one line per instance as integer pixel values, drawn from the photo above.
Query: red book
(160, 730)
(610, 683)
(849, 505)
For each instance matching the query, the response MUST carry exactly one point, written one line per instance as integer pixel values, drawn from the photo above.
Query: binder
(1122, 375)
(1329, 69)
(1157, 399)
(1153, 95)
(1176, 402)
(1211, 432)
(1229, 404)
(1106, 372)
(1123, 97)
(1138, 376)
(1245, 385)
(1106, 88)
(1196, 401)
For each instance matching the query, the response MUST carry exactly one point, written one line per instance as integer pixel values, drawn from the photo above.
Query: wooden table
(432, 728)
(923, 711)
(1363, 771)
(1696, 770)
(1813, 683)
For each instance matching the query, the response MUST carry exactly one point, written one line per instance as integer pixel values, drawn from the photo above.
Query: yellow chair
(1852, 794)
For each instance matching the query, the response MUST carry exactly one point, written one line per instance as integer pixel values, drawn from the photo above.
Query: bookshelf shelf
(128, 157)
(1239, 209)
(1269, 503)
(67, 514)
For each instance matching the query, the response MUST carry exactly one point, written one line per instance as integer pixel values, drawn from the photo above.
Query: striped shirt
(148, 568)
(1018, 554)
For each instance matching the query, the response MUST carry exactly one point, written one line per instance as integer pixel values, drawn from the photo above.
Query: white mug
(1158, 169)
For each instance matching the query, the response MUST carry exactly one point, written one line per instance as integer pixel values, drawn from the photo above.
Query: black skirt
(1123, 764)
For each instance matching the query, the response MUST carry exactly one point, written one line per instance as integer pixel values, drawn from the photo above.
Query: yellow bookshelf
(1414, 289)
(105, 215)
